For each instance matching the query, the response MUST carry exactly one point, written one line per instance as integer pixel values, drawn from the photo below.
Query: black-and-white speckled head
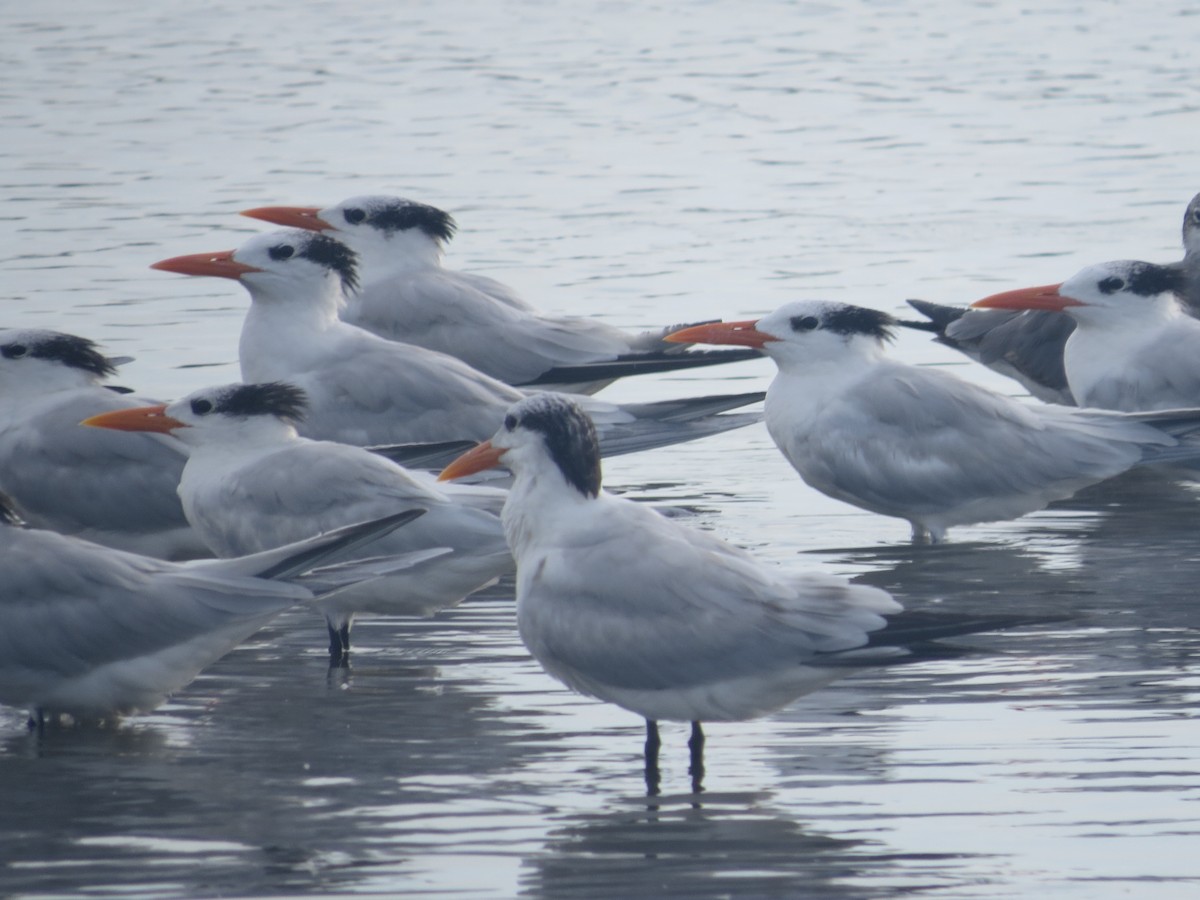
(277, 399)
(278, 251)
(54, 347)
(564, 430)
(389, 216)
(1124, 285)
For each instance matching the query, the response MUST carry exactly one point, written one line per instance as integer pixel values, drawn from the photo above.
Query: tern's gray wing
(1026, 346)
(1030, 343)
(450, 313)
(646, 604)
(305, 488)
(387, 393)
(911, 442)
(93, 629)
(108, 485)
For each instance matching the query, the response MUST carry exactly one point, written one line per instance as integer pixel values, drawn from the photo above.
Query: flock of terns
(367, 367)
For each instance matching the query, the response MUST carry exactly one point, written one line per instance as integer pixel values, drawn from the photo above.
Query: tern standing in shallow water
(622, 604)
(921, 444)
(251, 484)
(96, 632)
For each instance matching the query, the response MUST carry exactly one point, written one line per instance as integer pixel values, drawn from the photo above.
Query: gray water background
(648, 163)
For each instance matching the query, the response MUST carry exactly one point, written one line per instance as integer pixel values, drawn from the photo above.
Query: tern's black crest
(333, 254)
(72, 351)
(849, 320)
(569, 435)
(272, 398)
(1146, 280)
(403, 215)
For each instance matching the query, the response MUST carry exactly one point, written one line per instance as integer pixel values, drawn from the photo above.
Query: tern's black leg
(696, 769)
(339, 646)
(37, 721)
(652, 744)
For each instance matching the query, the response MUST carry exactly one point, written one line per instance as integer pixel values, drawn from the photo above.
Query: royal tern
(119, 493)
(95, 632)
(620, 603)
(406, 295)
(365, 390)
(251, 484)
(921, 444)
(1028, 346)
(1134, 347)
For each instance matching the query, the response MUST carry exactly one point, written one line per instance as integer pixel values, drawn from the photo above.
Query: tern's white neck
(1112, 357)
(382, 257)
(43, 379)
(1125, 323)
(218, 453)
(806, 386)
(278, 335)
(541, 507)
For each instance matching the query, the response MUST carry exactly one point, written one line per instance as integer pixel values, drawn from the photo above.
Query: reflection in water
(651, 848)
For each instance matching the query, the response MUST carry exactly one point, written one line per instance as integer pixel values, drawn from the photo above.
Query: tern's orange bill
(1045, 296)
(289, 216)
(477, 459)
(741, 334)
(220, 264)
(141, 418)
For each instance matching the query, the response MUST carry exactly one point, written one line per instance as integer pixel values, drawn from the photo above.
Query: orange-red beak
(477, 459)
(289, 216)
(220, 264)
(1044, 297)
(741, 334)
(141, 418)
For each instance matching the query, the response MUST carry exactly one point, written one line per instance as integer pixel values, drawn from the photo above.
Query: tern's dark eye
(14, 351)
(202, 407)
(804, 323)
(1196, 215)
(282, 251)
(1111, 285)
(354, 216)
(510, 422)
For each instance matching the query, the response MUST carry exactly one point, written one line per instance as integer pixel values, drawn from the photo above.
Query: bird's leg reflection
(652, 744)
(339, 646)
(696, 769)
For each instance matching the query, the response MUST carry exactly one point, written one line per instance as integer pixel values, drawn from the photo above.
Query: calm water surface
(650, 163)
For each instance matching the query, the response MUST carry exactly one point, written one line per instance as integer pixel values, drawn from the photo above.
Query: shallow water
(652, 164)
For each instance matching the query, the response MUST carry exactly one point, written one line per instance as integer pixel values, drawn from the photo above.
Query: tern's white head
(802, 332)
(386, 232)
(544, 433)
(229, 415)
(34, 362)
(1113, 294)
(291, 267)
